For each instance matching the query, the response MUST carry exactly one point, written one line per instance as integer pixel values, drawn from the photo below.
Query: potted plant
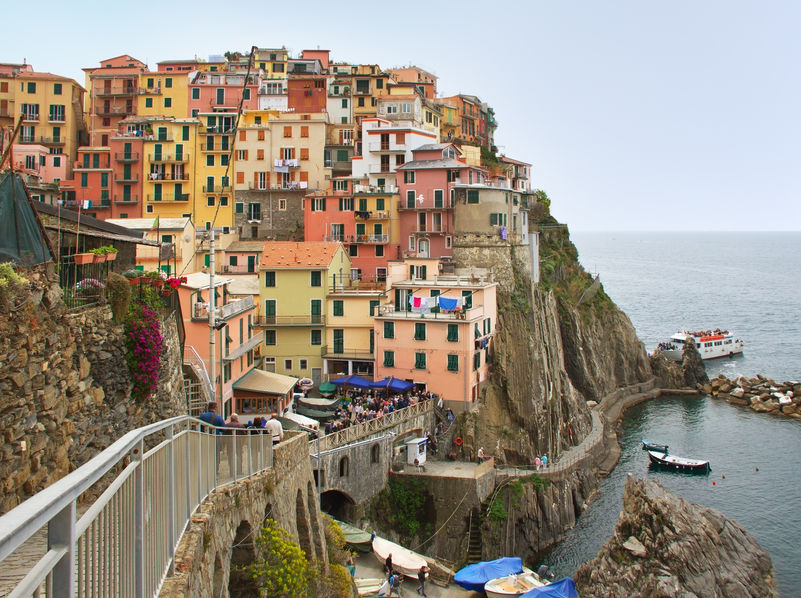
(83, 258)
(155, 278)
(133, 276)
(97, 255)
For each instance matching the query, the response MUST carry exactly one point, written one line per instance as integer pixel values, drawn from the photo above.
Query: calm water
(750, 284)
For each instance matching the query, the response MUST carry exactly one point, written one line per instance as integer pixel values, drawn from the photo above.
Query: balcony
(383, 190)
(168, 157)
(57, 119)
(362, 91)
(126, 156)
(200, 311)
(426, 204)
(123, 199)
(250, 344)
(363, 239)
(371, 215)
(42, 140)
(161, 139)
(221, 130)
(381, 146)
(150, 91)
(291, 163)
(286, 321)
(107, 92)
(131, 178)
(217, 189)
(167, 176)
(115, 111)
(337, 351)
(440, 230)
(167, 197)
(30, 117)
(381, 169)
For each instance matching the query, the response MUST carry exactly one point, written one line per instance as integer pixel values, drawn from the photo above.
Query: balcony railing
(307, 320)
(426, 204)
(126, 156)
(200, 310)
(116, 111)
(381, 190)
(150, 91)
(30, 117)
(167, 176)
(111, 93)
(217, 130)
(131, 178)
(168, 157)
(371, 215)
(168, 197)
(163, 138)
(433, 230)
(340, 351)
(381, 169)
(41, 139)
(379, 146)
(368, 239)
(216, 188)
(123, 199)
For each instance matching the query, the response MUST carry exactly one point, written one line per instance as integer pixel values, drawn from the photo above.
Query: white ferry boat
(711, 344)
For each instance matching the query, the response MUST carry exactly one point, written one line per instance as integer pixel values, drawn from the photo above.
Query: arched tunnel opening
(337, 504)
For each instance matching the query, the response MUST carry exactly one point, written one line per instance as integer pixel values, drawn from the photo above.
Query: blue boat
(652, 446)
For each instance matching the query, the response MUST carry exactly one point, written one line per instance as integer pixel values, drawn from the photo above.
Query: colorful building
(295, 281)
(436, 330)
(113, 95)
(236, 338)
(426, 198)
(164, 93)
(91, 182)
(420, 78)
(175, 253)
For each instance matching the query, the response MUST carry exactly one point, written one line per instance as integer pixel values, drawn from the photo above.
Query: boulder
(692, 366)
(664, 546)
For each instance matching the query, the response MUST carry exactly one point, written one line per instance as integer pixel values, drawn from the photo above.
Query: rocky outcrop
(692, 366)
(64, 388)
(668, 373)
(760, 394)
(666, 547)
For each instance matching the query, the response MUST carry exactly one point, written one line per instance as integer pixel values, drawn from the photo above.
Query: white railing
(124, 544)
(195, 361)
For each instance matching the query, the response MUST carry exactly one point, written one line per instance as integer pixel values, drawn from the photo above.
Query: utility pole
(212, 308)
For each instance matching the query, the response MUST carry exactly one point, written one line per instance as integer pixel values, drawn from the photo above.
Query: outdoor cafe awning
(262, 382)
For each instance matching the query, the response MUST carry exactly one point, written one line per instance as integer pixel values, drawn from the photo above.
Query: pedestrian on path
(421, 577)
(545, 462)
(537, 463)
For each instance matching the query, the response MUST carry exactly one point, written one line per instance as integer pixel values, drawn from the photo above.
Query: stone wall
(275, 224)
(64, 388)
(219, 536)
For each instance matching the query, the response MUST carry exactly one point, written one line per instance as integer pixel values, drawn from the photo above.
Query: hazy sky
(637, 115)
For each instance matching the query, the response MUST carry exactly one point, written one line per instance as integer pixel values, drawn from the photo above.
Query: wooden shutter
(255, 180)
(304, 176)
(287, 131)
(240, 178)
(304, 153)
(261, 135)
(260, 154)
(243, 135)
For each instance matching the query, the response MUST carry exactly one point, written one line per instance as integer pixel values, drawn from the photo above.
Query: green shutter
(339, 307)
(453, 333)
(389, 329)
(472, 196)
(437, 198)
(477, 360)
(453, 363)
(420, 361)
(240, 207)
(423, 273)
(493, 219)
(468, 299)
(374, 307)
(389, 359)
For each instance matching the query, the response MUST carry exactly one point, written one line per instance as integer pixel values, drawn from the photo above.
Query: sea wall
(65, 388)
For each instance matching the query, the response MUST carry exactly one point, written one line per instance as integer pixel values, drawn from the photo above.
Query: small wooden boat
(318, 403)
(652, 446)
(356, 538)
(368, 586)
(678, 463)
(513, 585)
(404, 561)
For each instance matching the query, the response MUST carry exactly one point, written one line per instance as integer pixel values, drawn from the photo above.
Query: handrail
(152, 496)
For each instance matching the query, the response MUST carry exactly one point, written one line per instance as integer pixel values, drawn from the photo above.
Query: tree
(280, 569)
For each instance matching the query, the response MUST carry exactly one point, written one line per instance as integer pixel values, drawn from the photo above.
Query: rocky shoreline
(761, 394)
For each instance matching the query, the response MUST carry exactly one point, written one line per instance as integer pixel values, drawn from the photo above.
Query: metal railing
(124, 544)
(299, 320)
(372, 426)
(193, 360)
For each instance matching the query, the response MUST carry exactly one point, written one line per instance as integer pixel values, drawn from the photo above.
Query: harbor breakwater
(761, 394)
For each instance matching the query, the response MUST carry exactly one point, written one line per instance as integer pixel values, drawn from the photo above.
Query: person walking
(545, 462)
(388, 565)
(394, 585)
(421, 577)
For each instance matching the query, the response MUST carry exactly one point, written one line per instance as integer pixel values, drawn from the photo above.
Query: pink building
(425, 186)
(436, 331)
(236, 337)
(213, 91)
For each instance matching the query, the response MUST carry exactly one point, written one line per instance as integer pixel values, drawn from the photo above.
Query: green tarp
(21, 238)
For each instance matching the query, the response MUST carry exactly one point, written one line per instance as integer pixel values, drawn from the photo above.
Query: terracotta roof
(289, 254)
(47, 76)
(245, 246)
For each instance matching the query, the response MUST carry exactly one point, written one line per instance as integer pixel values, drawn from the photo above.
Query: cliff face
(664, 546)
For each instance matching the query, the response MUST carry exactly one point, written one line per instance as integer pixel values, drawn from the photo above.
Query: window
(210, 160)
(304, 153)
(269, 278)
(254, 211)
(239, 207)
(419, 331)
(84, 179)
(287, 364)
(345, 204)
(168, 82)
(318, 204)
(410, 198)
(339, 307)
(379, 251)
(57, 112)
(420, 361)
(477, 360)
(472, 196)
(411, 243)
(31, 87)
(148, 102)
(210, 201)
(353, 251)
(344, 103)
(389, 329)
(453, 333)
(438, 198)
(316, 278)
(57, 89)
(195, 93)
(304, 131)
(316, 338)
(468, 299)
(453, 363)
(389, 359)
(282, 205)
(287, 131)
(269, 337)
(185, 133)
(408, 176)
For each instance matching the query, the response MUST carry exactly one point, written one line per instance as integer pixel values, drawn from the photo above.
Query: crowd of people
(270, 425)
(360, 406)
(666, 347)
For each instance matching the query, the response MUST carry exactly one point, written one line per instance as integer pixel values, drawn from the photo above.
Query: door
(423, 248)
(251, 263)
(316, 311)
(269, 311)
(317, 376)
(339, 340)
(337, 232)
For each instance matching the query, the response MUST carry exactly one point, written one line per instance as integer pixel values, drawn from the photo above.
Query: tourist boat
(678, 463)
(651, 446)
(513, 585)
(711, 344)
(404, 561)
(356, 538)
(318, 403)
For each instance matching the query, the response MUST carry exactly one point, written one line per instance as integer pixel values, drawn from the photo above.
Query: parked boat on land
(513, 585)
(356, 538)
(474, 577)
(711, 344)
(404, 561)
(652, 446)
(678, 463)
(318, 403)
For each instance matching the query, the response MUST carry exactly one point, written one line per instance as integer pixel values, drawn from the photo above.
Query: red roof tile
(290, 254)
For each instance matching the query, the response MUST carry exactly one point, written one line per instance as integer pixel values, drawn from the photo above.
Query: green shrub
(280, 568)
(13, 287)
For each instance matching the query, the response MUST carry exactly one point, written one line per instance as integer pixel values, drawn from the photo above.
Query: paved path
(368, 566)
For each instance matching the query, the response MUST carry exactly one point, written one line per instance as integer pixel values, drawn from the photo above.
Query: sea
(750, 284)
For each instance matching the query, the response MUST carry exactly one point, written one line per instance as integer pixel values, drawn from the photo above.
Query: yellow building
(170, 181)
(349, 347)
(450, 123)
(295, 280)
(215, 170)
(51, 107)
(272, 61)
(164, 94)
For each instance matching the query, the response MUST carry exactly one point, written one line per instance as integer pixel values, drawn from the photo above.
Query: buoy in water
(723, 476)
(713, 483)
(757, 468)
